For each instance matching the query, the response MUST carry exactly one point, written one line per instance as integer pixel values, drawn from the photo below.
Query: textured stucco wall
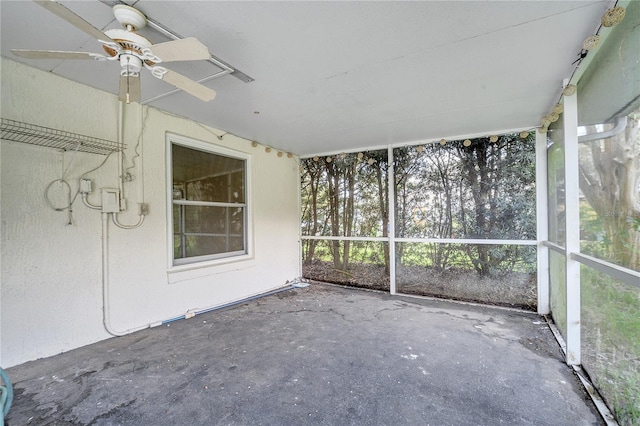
(51, 295)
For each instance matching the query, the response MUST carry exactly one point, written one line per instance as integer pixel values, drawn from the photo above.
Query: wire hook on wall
(47, 198)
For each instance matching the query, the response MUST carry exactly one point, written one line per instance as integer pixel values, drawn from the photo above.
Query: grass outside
(508, 278)
(611, 342)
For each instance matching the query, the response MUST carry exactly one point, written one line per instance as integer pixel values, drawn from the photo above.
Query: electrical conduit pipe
(106, 314)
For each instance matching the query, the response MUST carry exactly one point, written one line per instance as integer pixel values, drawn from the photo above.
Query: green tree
(610, 180)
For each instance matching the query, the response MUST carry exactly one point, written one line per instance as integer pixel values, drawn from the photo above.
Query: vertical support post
(572, 227)
(542, 223)
(392, 221)
(299, 200)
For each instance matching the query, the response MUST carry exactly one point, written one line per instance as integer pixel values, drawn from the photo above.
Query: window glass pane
(209, 219)
(208, 230)
(483, 190)
(610, 321)
(496, 274)
(201, 245)
(201, 177)
(204, 176)
(177, 219)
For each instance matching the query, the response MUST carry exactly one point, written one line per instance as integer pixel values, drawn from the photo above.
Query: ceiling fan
(133, 51)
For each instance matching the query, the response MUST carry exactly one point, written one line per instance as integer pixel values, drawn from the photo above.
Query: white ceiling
(340, 76)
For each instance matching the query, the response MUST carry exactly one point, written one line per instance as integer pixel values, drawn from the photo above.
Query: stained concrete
(320, 355)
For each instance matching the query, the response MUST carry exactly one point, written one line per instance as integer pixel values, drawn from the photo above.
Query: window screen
(209, 210)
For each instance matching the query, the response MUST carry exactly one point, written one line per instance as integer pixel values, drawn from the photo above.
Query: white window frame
(182, 264)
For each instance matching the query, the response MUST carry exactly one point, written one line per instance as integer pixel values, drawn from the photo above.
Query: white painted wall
(51, 294)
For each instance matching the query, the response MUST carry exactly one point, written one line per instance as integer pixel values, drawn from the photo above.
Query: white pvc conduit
(106, 312)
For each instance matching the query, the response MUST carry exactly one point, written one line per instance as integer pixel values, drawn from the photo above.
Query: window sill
(192, 271)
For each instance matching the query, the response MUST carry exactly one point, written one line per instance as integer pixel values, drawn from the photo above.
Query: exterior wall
(51, 272)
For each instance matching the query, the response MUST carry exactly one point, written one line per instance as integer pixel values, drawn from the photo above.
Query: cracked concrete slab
(319, 355)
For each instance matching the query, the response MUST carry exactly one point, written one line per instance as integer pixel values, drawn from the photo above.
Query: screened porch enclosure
(463, 216)
(544, 219)
(467, 221)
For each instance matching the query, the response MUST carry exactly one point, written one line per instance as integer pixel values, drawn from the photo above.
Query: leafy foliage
(481, 191)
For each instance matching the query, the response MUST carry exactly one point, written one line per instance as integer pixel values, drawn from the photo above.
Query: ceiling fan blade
(129, 88)
(186, 49)
(191, 87)
(55, 54)
(66, 14)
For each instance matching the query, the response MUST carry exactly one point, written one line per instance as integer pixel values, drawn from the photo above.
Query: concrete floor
(320, 355)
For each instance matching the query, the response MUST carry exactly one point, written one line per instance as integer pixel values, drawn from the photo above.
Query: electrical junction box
(85, 186)
(110, 200)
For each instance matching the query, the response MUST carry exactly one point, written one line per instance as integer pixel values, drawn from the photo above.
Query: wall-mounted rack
(17, 131)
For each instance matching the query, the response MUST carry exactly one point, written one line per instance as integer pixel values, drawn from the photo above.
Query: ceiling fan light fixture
(131, 65)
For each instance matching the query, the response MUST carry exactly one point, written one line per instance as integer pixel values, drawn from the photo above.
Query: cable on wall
(128, 177)
(62, 180)
(69, 202)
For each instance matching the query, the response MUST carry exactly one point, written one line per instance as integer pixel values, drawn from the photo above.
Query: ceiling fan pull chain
(128, 76)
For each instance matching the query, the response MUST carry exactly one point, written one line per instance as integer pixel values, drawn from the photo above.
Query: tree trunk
(609, 179)
(334, 211)
(348, 212)
(314, 178)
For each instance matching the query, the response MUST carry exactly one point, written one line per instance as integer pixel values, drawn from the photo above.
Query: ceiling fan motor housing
(130, 48)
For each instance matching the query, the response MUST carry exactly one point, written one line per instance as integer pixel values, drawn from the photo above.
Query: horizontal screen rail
(207, 203)
(423, 240)
(621, 273)
(555, 247)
